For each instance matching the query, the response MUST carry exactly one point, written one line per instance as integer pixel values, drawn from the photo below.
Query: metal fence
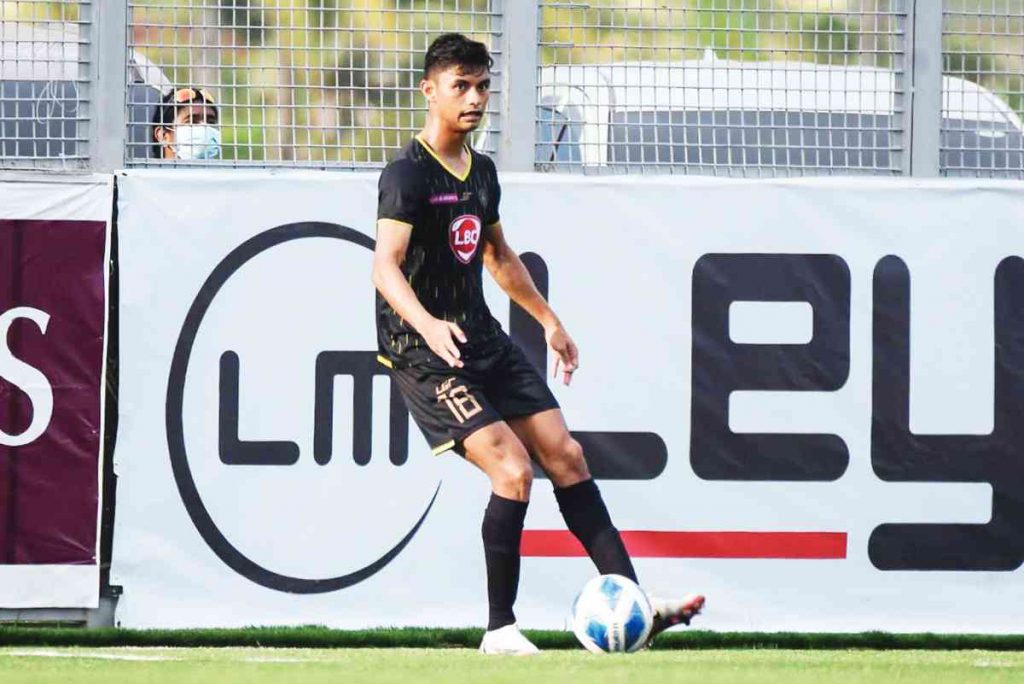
(45, 81)
(312, 83)
(729, 87)
(983, 94)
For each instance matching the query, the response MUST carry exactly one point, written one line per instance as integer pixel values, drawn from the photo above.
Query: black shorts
(449, 404)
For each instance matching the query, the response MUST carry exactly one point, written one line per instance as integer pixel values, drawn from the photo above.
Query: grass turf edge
(411, 637)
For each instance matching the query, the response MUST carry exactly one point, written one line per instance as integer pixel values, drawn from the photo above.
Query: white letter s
(27, 378)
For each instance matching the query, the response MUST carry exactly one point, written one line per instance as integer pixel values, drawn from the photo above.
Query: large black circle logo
(201, 518)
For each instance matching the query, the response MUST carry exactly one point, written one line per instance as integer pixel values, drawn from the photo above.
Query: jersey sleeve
(493, 216)
(399, 193)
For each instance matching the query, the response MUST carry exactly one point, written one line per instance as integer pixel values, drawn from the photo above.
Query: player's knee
(573, 461)
(518, 469)
(524, 480)
(567, 466)
(510, 471)
(572, 453)
(515, 478)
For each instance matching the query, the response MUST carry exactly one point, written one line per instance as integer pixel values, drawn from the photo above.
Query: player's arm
(508, 271)
(388, 257)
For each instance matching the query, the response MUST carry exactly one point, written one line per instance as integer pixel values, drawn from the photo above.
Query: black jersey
(443, 264)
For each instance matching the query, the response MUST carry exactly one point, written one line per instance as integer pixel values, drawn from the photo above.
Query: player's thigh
(546, 436)
(497, 451)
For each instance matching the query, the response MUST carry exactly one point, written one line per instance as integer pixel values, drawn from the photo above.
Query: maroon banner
(52, 310)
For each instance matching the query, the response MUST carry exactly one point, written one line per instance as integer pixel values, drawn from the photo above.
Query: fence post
(518, 86)
(924, 58)
(108, 79)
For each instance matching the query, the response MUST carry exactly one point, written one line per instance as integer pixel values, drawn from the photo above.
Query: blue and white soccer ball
(612, 614)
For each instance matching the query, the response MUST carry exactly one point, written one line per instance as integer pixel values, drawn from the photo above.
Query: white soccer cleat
(672, 612)
(507, 640)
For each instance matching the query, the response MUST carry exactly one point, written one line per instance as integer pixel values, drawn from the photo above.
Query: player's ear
(429, 89)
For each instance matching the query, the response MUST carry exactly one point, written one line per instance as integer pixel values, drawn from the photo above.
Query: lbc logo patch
(464, 237)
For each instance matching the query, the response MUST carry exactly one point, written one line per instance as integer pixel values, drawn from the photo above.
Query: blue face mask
(196, 141)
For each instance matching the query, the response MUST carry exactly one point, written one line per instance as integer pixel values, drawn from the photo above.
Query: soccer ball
(612, 614)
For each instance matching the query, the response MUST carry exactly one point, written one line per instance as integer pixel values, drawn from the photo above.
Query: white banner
(54, 251)
(757, 312)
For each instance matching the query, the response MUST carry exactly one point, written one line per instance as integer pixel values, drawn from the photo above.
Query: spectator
(185, 126)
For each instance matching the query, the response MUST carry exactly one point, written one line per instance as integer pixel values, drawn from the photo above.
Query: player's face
(458, 98)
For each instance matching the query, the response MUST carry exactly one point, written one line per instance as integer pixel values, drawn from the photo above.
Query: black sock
(586, 516)
(502, 532)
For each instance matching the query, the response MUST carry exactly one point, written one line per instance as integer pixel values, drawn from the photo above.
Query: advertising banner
(54, 243)
(800, 398)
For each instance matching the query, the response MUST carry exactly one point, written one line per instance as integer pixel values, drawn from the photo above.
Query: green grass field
(42, 665)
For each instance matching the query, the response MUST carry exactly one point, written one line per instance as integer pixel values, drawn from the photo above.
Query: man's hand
(566, 354)
(441, 336)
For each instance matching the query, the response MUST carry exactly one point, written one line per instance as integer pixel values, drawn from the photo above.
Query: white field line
(989, 663)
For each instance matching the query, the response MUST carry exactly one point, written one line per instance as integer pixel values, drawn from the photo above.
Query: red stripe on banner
(646, 544)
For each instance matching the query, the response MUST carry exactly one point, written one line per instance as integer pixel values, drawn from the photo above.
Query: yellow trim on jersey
(469, 164)
(443, 448)
(384, 361)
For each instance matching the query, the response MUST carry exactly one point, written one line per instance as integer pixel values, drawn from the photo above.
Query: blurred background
(737, 87)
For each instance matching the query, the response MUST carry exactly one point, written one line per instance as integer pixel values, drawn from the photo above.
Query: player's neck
(446, 143)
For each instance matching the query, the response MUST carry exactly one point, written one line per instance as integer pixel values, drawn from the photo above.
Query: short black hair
(176, 98)
(455, 49)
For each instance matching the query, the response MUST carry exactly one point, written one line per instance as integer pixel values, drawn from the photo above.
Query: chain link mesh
(307, 83)
(730, 87)
(983, 88)
(45, 83)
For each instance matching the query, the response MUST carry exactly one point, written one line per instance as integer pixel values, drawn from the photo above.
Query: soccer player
(467, 385)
